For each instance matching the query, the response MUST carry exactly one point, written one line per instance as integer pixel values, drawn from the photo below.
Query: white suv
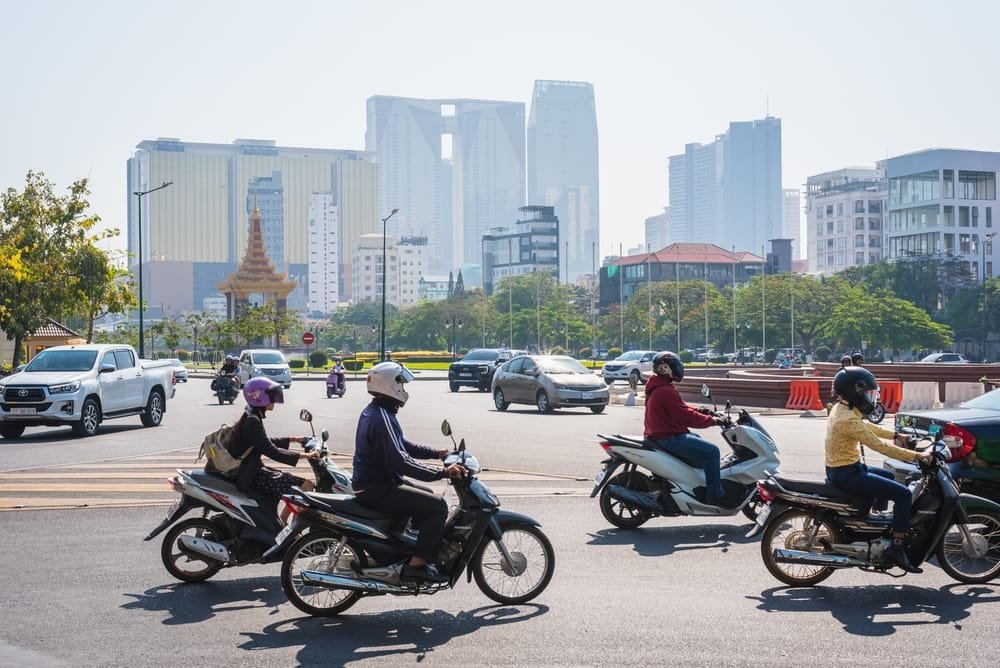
(635, 364)
(265, 362)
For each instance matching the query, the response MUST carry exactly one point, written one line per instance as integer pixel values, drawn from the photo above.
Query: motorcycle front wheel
(182, 565)
(318, 551)
(525, 575)
(972, 561)
(619, 513)
(798, 530)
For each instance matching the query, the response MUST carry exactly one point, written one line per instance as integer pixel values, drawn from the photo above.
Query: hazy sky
(851, 81)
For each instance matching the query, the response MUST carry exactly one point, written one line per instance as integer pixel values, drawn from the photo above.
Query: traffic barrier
(919, 395)
(803, 394)
(891, 394)
(956, 393)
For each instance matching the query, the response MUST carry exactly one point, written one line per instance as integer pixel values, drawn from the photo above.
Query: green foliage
(686, 356)
(769, 355)
(614, 352)
(585, 353)
(354, 365)
(318, 359)
(558, 350)
(822, 353)
(296, 363)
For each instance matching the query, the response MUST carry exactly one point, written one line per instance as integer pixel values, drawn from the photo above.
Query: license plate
(22, 411)
(599, 478)
(588, 395)
(283, 534)
(763, 514)
(465, 373)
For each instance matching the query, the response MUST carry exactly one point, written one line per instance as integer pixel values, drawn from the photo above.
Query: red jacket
(666, 413)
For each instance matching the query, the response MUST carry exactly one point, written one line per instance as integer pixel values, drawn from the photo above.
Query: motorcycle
(878, 413)
(810, 529)
(336, 383)
(673, 487)
(341, 551)
(234, 529)
(226, 386)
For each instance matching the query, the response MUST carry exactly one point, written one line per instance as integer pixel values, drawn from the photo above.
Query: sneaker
(425, 573)
(897, 555)
(880, 516)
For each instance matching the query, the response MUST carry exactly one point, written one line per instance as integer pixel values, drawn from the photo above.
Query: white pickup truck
(81, 386)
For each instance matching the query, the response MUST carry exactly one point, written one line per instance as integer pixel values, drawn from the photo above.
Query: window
(124, 359)
(840, 208)
(975, 216)
(914, 188)
(859, 206)
(949, 244)
(949, 216)
(819, 212)
(829, 209)
(819, 229)
(874, 223)
(964, 244)
(874, 206)
(977, 185)
(989, 216)
(859, 241)
(859, 223)
(829, 227)
(949, 184)
(963, 216)
(840, 227)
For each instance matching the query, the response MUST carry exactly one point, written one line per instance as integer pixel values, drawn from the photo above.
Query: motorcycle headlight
(64, 389)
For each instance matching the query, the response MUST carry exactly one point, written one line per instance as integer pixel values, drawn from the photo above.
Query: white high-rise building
(845, 224)
(657, 230)
(412, 268)
(791, 220)
(324, 253)
(428, 149)
(563, 167)
(366, 267)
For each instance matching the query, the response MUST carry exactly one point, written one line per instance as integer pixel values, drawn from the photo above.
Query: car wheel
(153, 414)
(597, 409)
(609, 381)
(499, 400)
(90, 418)
(11, 430)
(453, 386)
(542, 402)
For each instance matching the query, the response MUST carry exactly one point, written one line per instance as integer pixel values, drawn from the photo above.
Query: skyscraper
(728, 192)
(428, 149)
(563, 166)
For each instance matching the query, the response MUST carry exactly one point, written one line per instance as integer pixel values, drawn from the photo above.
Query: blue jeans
(698, 452)
(879, 485)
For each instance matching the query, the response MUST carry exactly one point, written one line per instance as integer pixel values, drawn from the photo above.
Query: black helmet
(857, 386)
(857, 359)
(846, 361)
(675, 367)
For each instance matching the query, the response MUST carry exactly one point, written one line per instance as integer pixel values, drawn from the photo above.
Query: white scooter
(674, 487)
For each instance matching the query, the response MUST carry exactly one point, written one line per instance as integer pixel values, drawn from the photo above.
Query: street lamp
(381, 345)
(987, 240)
(139, 194)
(454, 324)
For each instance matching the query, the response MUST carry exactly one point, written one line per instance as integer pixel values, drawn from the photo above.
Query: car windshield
(562, 365)
(481, 355)
(62, 360)
(175, 362)
(990, 401)
(268, 358)
(630, 356)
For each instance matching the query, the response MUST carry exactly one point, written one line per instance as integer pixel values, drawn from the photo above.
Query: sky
(852, 81)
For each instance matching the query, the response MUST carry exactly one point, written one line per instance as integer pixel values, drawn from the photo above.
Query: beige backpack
(215, 450)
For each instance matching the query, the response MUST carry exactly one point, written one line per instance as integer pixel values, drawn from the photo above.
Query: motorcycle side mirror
(461, 445)
(705, 392)
(325, 435)
(446, 430)
(305, 415)
(729, 405)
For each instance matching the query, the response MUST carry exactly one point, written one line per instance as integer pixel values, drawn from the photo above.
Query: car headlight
(64, 389)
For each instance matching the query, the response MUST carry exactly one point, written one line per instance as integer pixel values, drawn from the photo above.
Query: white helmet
(387, 379)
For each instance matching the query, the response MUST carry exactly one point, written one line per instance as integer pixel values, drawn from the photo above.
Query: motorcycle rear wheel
(975, 562)
(528, 573)
(797, 530)
(184, 567)
(877, 414)
(311, 552)
(618, 512)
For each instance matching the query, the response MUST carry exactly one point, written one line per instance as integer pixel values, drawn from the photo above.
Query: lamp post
(453, 323)
(140, 194)
(988, 240)
(195, 353)
(381, 345)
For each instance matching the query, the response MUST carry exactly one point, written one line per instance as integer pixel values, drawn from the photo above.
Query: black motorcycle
(811, 529)
(343, 551)
(234, 529)
(226, 387)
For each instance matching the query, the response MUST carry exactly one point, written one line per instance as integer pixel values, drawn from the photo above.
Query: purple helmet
(261, 392)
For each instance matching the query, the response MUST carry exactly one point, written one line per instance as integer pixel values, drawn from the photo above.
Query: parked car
(944, 358)
(476, 369)
(180, 371)
(972, 432)
(548, 382)
(265, 362)
(635, 366)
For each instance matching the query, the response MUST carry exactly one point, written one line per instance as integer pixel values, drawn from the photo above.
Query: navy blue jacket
(381, 454)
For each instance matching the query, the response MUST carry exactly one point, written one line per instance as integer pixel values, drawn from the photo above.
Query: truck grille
(24, 394)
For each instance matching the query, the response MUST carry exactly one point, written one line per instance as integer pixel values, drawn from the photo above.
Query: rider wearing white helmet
(382, 456)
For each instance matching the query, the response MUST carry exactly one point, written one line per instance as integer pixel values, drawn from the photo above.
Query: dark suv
(476, 369)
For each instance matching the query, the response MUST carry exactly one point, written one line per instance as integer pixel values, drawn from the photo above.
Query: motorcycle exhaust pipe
(633, 498)
(199, 547)
(331, 581)
(817, 559)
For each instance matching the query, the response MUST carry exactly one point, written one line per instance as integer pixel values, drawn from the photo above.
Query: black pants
(429, 512)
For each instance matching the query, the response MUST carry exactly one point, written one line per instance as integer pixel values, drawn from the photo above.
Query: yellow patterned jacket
(846, 429)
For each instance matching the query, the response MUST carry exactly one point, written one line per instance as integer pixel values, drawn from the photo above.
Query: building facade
(942, 202)
(657, 229)
(563, 160)
(845, 218)
(729, 192)
(791, 220)
(454, 168)
(366, 261)
(199, 223)
(531, 245)
(413, 252)
(324, 254)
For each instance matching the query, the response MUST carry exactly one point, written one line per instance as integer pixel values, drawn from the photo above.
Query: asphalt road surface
(80, 587)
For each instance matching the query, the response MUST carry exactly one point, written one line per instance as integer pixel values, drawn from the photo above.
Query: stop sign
(308, 338)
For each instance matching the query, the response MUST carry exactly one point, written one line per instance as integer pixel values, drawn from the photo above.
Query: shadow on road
(407, 635)
(875, 610)
(192, 603)
(660, 541)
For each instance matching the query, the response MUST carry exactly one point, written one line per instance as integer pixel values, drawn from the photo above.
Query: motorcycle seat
(815, 487)
(346, 503)
(215, 481)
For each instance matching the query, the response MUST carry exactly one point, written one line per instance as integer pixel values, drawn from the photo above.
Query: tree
(100, 286)
(40, 233)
